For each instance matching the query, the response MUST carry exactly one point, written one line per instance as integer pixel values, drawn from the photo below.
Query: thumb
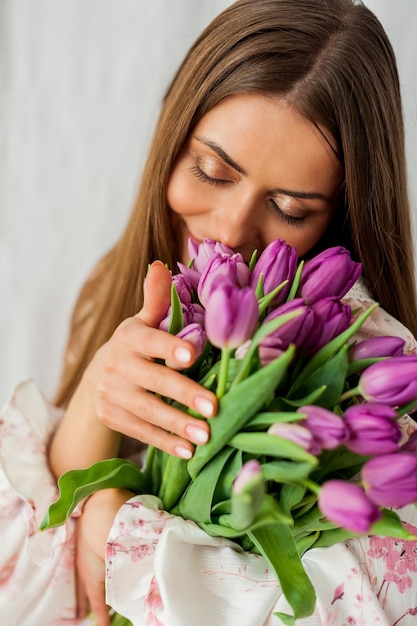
(157, 294)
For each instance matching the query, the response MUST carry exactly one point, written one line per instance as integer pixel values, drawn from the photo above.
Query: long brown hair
(332, 62)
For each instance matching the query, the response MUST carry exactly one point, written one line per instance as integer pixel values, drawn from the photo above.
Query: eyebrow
(303, 195)
(222, 154)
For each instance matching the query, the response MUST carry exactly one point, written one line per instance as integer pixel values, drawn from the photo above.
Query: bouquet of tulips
(306, 449)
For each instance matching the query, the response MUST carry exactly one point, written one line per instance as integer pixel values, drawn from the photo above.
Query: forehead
(272, 141)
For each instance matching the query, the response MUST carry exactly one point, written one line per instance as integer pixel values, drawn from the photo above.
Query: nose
(236, 223)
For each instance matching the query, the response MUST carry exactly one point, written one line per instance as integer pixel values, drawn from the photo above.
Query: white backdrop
(80, 86)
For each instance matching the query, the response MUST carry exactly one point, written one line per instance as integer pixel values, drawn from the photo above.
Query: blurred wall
(80, 86)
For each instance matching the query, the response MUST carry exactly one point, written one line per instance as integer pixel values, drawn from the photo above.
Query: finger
(96, 596)
(154, 434)
(156, 378)
(151, 343)
(149, 408)
(157, 294)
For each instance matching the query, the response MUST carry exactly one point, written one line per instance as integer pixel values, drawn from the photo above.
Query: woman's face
(253, 170)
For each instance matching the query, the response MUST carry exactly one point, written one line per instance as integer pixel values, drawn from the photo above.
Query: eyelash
(198, 173)
(290, 219)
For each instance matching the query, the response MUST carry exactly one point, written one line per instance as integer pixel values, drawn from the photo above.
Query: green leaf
(197, 501)
(330, 349)
(263, 331)
(266, 300)
(76, 485)
(291, 496)
(176, 322)
(233, 413)
(263, 420)
(271, 445)
(290, 404)
(226, 479)
(296, 282)
(276, 543)
(119, 620)
(175, 479)
(286, 471)
(332, 374)
(390, 525)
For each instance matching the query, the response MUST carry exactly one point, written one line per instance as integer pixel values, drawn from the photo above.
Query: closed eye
(198, 173)
(293, 220)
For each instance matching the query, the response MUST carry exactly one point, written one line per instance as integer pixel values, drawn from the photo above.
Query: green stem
(312, 486)
(224, 368)
(351, 393)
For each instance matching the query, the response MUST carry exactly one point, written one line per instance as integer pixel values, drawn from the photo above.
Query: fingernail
(183, 355)
(196, 434)
(183, 452)
(204, 406)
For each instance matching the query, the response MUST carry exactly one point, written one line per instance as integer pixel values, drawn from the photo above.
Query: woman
(279, 123)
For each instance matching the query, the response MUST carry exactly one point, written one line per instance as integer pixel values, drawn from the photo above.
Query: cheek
(182, 197)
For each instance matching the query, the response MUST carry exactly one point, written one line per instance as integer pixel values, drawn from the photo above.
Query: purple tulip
(203, 252)
(295, 331)
(328, 429)
(391, 479)
(331, 317)
(277, 263)
(195, 335)
(372, 429)
(376, 347)
(393, 381)
(329, 274)
(294, 432)
(183, 287)
(347, 505)
(233, 268)
(231, 315)
(192, 312)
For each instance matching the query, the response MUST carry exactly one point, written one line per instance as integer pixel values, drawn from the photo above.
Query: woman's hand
(93, 529)
(120, 388)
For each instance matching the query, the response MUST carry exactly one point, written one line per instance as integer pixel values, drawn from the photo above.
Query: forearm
(81, 439)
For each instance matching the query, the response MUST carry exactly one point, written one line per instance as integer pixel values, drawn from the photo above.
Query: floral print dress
(162, 570)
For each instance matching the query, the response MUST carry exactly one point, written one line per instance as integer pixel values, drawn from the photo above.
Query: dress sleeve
(379, 322)
(42, 564)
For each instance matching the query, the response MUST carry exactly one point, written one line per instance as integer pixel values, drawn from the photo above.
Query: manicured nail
(196, 434)
(183, 355)
(204, 406)
(183, 452)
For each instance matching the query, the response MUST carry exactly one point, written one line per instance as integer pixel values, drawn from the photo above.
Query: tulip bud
(328, 429)
(247, 495)
(295, 331)
(277, 263)
(392, 382)
(203, 252)
(196, 336)
(192, 313)
(231, 315)
(390, 480)
(372, 429)
(233, 268)
(376, 347)
(329, 274)
(294, 432)
(346, 505)
(331, 317)
(183, 287)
